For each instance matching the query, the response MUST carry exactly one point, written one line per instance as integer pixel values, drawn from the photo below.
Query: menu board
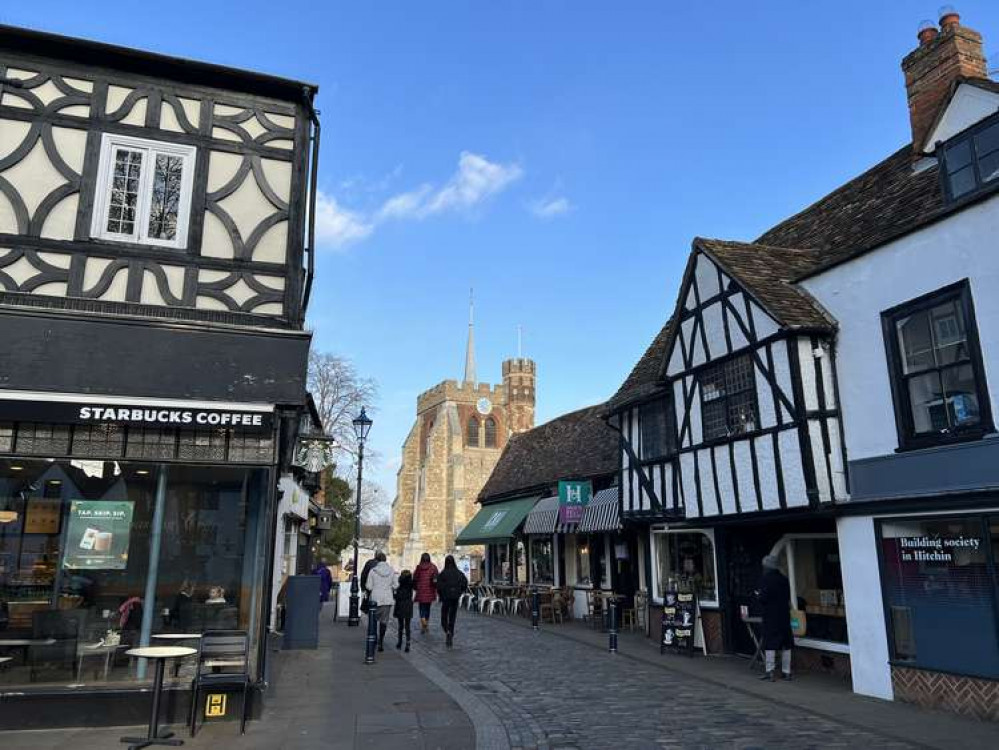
(679, 621)
(97, 535)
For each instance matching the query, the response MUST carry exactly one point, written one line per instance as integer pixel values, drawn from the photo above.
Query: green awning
(496, 522)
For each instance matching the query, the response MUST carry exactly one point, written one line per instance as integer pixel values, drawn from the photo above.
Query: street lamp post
(361, 427)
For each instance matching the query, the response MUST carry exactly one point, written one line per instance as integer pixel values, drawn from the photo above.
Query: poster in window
(43, 516)
(97, 535)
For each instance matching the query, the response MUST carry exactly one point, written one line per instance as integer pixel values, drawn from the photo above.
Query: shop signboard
(679, 620)
(935, 549)
(97, 535)
(573, 496)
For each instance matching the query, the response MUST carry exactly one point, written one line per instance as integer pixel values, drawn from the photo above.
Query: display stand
(681, 619)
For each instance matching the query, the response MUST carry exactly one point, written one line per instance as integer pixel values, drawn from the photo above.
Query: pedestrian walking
(381, 587)
(325, 580)
(775, 596)
(425, 581)
(451, 584)
(365, 571)
(404, 607)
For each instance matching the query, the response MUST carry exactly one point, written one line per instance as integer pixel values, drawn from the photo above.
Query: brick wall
(968, 696)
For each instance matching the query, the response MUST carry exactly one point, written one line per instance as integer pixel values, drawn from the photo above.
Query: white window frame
(709, 533)
(110, 142)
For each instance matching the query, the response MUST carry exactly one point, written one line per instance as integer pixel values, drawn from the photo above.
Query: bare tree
(339, 392)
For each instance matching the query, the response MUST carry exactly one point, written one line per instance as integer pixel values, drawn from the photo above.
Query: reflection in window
(685, 555)
(938, 384)
(542, 560)
(728, 396)
(499, 563)
(582, 562)
(818, 588)
(165, 203)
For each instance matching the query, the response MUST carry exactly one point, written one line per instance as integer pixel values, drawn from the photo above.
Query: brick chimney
(939, 60)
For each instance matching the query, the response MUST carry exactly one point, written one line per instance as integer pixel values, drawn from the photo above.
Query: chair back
(224, 651)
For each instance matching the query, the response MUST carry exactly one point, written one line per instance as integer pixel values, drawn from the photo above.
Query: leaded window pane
(98, 441)
(124, 191)
(472, 437)
(729, 399)
(6, 436)
(42, 439)
(151, 443)
(251, 448)
(202, 445)
(490, 430)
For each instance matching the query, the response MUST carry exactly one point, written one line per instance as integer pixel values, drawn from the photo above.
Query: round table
(159, 654)
(177, 637)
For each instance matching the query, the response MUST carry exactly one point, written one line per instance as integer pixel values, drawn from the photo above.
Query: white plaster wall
(709, 500)
(865, 617)
(792, 469)
(706, 276)
(969, 105)
(962, 246)
(782, 374)
(714, 327)
(726, 490)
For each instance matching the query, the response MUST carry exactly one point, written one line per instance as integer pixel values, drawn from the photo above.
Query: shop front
(499, 527)
(119, 523)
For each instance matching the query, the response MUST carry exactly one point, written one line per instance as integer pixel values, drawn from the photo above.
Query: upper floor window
(490, 430)
(728, 398)
(472, 434)
(971, 159)
(938, 381)
(143, 191)
(655, 420)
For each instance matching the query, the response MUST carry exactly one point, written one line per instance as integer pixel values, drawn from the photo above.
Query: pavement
(507, 687)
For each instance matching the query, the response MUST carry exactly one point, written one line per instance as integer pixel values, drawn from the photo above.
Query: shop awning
(496, 522)
(601, 514)
(543, 517)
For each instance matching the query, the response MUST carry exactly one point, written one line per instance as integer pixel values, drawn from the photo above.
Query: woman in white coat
(381, 585)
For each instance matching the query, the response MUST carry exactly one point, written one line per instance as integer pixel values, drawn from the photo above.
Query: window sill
(942, 441)
(838, 648)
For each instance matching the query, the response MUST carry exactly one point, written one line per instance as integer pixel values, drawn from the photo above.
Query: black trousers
(404, 624)
(449, 612)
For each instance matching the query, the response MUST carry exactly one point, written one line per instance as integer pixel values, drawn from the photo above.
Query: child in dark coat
(404, 606)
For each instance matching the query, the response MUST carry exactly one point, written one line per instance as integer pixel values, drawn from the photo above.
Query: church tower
(461, 428)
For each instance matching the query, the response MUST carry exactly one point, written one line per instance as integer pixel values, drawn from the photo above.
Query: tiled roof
(577, 444)
(643, 379)
(767, 272)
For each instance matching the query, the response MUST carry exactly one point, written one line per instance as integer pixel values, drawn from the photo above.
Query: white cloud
(549, 208)
(474, 181)
(338, 226)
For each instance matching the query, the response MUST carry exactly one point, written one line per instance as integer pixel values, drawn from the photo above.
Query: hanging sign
(572, 498)
(97, 535)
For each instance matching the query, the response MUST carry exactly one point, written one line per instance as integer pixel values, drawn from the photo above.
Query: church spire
(470, 347)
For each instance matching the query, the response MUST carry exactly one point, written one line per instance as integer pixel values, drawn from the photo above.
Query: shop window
(939, 587)
(76, 562)
(689, 556)
(143, 191)
(542, 561)
(490, 430)
(472, 433)
(728, 399)
(499, 563)
(817, 587)
(583, 562)
(521, 562)
(656, 422)
(938, 382)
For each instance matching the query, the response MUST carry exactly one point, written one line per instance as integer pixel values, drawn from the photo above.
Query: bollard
(612, 630)
(372, 640)
(535, 609)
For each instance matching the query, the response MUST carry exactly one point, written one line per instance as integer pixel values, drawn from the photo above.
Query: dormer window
(971, 159)
(143, 191)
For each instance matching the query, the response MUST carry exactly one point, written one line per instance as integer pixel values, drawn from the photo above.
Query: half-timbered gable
(741, 415)
(133, 183)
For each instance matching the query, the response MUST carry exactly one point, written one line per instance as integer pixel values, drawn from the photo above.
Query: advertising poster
(97, 535)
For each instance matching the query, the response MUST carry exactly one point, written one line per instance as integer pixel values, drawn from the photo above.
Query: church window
(472, 435)
(490, 433)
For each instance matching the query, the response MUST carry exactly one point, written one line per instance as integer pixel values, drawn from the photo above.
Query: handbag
(365, 606)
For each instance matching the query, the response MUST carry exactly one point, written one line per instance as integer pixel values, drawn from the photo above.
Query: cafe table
(102, 650)
(177, 637)
(158, 655)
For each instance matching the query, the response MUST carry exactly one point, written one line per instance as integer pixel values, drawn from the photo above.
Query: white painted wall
(969, 105)
(865, 615)
(855, 293)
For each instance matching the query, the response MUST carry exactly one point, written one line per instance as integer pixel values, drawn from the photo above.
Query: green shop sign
(97, 535)
(572, 498)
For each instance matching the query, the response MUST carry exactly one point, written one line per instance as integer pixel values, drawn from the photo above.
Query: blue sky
(557, 155)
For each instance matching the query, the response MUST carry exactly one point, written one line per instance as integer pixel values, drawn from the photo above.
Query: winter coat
(775, 597)
(404, 601)
(425, 579)
(364, 573)
(325, 582)
(382, 583)
(451, 584)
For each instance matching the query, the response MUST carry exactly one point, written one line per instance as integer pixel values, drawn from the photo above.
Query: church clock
(484, 406)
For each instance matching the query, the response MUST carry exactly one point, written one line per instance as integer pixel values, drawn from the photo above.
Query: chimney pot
(927, 32)
(948, 17)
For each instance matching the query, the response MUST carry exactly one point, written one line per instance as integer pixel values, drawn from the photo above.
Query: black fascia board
(155, 65)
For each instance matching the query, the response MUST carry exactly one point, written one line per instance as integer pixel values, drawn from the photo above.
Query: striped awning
(601, 514)
(543, 517)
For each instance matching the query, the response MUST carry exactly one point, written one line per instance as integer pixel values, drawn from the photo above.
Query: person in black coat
(451, 584)
(404, 606)
(775, 597)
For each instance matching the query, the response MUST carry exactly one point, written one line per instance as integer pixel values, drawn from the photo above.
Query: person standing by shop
(404, 607)
(381, 586)
(425, 581)
(775, 598)
(451, 584)
(325, 581)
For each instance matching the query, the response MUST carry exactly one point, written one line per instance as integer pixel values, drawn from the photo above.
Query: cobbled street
(552, 692)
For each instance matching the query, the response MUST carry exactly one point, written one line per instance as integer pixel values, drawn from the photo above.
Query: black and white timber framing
(788, 455)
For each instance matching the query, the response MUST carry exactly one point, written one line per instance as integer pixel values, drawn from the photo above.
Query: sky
(558, 156)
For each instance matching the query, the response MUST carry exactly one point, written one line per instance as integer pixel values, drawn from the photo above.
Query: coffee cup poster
(97, 536)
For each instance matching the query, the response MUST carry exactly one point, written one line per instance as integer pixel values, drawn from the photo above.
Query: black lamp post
(362, 425)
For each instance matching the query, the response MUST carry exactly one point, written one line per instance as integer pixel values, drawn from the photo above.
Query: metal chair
(219, 650)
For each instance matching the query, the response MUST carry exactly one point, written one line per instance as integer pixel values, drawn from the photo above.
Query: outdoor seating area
(556, 604)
